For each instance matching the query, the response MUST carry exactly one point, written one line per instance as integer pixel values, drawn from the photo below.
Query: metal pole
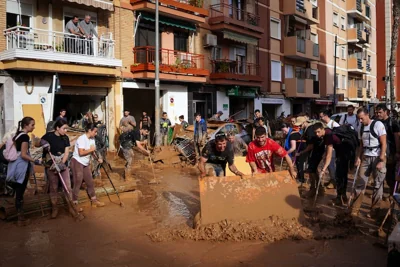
(334, 79)
(157, 80)
(53, 93)
(386, 83)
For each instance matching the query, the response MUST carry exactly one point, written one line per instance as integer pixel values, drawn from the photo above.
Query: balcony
(228, 72)
(357, 90)
(305, 50)
(189, 10)
(181, 65)
(358, 34)
(227, 17)
(303, 9)
(42, 45)
(300, 87)
(356, 64)
(359, 10)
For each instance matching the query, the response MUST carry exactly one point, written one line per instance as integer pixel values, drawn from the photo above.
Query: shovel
(352, 188)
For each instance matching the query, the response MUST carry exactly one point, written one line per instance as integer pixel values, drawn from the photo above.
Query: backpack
(345, 120)
(371, 133)
(10, 153)
(349, 141)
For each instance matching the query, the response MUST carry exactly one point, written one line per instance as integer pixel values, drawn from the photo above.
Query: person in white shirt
(80, 164)
(350, 118)
(372, 160)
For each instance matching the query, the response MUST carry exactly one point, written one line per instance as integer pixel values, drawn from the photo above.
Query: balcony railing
(301, 45)
(316, 50)
(170, 61)
(235, 13)
(235, 67)
(300, 86)
(29, 39)
(187, 6)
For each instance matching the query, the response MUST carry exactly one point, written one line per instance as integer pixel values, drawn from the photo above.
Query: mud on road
(155, 229)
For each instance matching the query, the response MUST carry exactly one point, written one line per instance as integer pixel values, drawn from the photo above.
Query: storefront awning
(346, 103)
(325, 102)
(240, 38)
(103, 4)
(169, 21)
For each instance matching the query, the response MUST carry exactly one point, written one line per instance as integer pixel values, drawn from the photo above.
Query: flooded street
(115, 236)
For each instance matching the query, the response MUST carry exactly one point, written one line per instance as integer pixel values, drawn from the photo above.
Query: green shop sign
(241, 92)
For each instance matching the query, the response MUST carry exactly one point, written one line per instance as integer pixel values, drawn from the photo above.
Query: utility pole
(334, 79)
(386, 83)
(157, 80)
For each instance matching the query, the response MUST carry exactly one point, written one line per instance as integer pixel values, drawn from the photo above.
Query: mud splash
(269, 230)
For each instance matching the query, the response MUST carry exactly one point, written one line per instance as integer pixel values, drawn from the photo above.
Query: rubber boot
(96, 203)
(54, 208)
(22, 221)
(355, 208)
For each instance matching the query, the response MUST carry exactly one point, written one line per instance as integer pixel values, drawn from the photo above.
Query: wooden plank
(36, 112)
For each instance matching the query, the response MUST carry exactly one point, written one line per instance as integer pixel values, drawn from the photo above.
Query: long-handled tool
(37, 194)
(154, 181)
(391, 207)
(353, 186)
(111, 182)
(317, 190)
(67, 193)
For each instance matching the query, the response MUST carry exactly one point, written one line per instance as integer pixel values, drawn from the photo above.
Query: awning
(169, 21)
(240, 38)
(103, 4)
(346, 103)
(325, 102)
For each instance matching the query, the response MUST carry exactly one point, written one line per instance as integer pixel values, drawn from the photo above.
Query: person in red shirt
(260, 154)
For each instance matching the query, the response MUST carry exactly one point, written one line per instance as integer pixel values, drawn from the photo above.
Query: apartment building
(384, 35)
(354, 24)
(36, 53)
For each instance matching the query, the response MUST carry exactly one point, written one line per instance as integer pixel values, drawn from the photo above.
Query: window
(337, 80)
(275, 28)
(343, 52)
(13, 20)
(288, 71)
(343, 23)
(344, 82)
(335, 19)
(216, 53)
(314, 74)
(338, 51)
(276, 71)
(369, 85)
(180, 41)
(314, 38)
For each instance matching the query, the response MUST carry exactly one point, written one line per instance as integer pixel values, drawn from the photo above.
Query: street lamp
(157, 80)
(334, 77)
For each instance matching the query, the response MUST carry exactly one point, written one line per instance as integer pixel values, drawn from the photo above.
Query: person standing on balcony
(72, 34)
(88, 30)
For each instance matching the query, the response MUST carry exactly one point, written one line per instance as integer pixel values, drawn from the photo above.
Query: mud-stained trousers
(128, 155)
(332, 168)
(368, 167)
(82, 173)
(54, 181)
(342, 173)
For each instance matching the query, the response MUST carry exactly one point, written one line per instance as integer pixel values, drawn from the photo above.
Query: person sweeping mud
(372, 160)
(130, 139)
(19, 170)
(84, 147)
(59, 148)
(214, 157)
(260, 154)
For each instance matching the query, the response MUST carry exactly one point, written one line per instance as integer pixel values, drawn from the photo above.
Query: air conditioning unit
(209, 40)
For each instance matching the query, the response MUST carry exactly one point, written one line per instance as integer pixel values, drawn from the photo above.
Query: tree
(393, 52)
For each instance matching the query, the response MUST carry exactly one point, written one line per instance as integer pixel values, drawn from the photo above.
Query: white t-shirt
(369, 140)
(350, 120)
(85, 143)
(332, 124)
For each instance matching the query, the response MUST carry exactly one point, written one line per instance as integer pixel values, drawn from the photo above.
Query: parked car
(336, 117)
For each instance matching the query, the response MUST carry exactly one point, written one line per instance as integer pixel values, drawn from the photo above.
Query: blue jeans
(214, 170)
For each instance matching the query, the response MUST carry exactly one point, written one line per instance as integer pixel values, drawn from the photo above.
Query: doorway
(200, 106)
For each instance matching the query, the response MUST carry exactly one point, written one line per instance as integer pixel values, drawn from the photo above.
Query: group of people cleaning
(56, 143)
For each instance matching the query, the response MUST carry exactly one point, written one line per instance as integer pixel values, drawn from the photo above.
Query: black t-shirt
(332, 139)
(145, 120)
(311, 138)
(390, 131)
(20, 140)
(256, 124)
(128, 139)
(218, 157)
(296, 136)
(57, 143)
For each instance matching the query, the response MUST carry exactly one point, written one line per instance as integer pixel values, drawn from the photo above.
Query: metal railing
(316, 50)
(170, 58)
(356, 83)
(31, 39)
(235, 67)
(235, 13)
